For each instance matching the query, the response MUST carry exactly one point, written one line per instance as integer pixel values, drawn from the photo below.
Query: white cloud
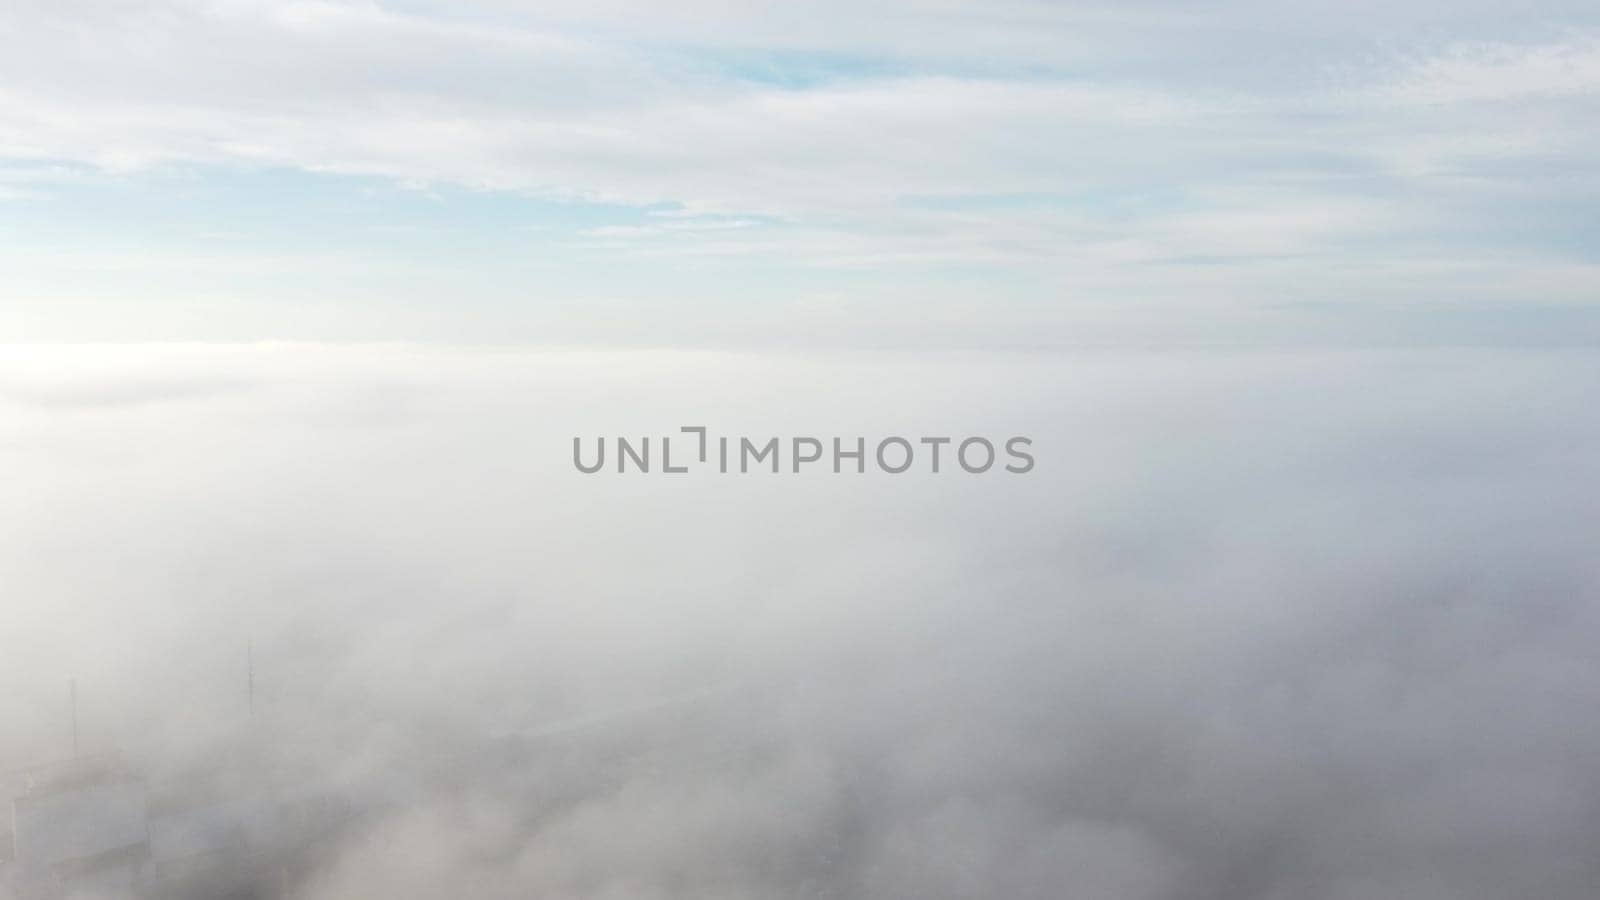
(1499, 71)
(1133, 145)
(1259, 625)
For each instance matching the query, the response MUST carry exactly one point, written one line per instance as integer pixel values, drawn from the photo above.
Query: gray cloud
(1261, 625)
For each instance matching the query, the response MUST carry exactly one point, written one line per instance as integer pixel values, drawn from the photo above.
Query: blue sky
(866, 174)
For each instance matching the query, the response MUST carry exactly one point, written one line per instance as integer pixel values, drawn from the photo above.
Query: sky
(302, 305)
(738, 174)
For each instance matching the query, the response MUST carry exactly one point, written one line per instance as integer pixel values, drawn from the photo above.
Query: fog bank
(1257, 626)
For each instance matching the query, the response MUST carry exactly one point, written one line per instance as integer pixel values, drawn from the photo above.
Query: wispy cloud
(1499, 71)
(1292, 160)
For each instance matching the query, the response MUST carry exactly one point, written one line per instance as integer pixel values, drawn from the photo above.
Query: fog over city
(1259, 624)
(306, 307)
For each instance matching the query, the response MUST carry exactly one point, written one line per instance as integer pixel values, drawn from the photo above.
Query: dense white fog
(1258, 625)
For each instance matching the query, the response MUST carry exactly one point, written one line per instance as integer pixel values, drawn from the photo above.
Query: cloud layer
(1260, 625)
(1069, 162)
